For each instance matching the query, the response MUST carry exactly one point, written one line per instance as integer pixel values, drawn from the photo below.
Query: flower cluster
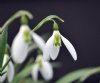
(49, 50)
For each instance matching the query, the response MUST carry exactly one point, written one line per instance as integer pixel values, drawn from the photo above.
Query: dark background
(81, 27)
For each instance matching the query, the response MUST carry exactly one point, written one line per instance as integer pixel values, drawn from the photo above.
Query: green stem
(55, 25)
(24, 20)
(15, 16)
(48, 18)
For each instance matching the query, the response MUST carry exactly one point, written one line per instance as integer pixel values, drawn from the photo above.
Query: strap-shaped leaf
(3, 41)
(81, 74)
(25, 72)
(30, 80)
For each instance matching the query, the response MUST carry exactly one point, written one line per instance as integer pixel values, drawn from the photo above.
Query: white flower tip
(73, 54)
(53, 58)
(62, 20)
(75, 57)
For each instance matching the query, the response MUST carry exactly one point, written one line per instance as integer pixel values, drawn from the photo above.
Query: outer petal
(70, 47)
(53, 51)
(38, 40)
(35, 71)
(46, 71)
(19, 48)
(46, 55)
(41, 44)
(10, 72)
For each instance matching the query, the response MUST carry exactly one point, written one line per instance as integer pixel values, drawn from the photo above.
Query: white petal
(41, 44)
(70, 47)
(46, 55)
(10, 71)
(46, 71)
(38, 40)
(53, 51)
(35, 71)
(19, 48)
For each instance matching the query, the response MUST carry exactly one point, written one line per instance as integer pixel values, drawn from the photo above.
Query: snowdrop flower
(44, 67)
(20, 45)
(54, 43)
(9, 70)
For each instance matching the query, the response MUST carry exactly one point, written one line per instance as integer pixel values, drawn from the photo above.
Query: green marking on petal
(27, 36)
(57, 40)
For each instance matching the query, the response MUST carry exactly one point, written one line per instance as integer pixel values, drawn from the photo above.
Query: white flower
(20, 45)
(9, 70)
(44, 67)
(53, 46)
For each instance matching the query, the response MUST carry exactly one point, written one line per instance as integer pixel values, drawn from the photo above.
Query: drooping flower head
(44, 67)
(20, 44)
(54, 43)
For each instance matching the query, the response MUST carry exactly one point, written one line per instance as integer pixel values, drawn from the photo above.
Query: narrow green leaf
(3, 41)
(56, 64)
(89, 73)
(24, 73)
(76, 75)
(30, 80)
